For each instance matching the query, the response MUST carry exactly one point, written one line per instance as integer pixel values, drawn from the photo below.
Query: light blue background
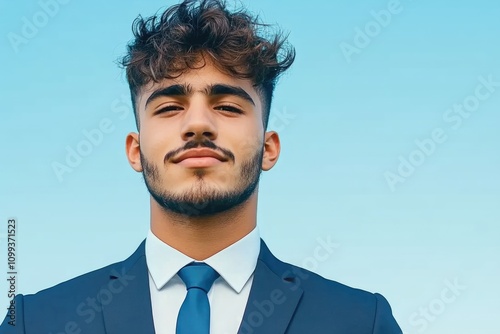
(349, 122)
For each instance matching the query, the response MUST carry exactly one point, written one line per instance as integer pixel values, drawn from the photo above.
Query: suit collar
(235, 263)
(273, 298)
(129, 310)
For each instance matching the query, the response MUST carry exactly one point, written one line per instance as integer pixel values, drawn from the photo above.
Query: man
(201, 80)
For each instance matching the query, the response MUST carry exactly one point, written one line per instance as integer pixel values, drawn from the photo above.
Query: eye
(167, 109)
(229, 108)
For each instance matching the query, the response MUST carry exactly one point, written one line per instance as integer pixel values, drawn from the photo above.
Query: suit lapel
(273, 298)
(129, 310)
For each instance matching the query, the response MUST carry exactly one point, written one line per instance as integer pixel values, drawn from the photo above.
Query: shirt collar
(235, 263)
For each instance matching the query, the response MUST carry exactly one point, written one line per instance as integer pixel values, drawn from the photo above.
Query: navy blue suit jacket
(283, 299)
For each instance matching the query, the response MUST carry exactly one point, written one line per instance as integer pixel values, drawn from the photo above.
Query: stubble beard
(203, 199)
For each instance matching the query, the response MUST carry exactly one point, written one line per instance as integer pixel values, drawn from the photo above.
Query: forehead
(199, 80)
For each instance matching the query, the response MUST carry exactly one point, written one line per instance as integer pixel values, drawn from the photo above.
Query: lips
(200, 153)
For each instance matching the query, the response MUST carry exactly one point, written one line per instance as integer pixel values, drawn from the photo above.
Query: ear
(133, 151)
(271, 150)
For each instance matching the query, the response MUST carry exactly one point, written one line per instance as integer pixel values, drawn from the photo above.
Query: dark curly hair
(167, 45)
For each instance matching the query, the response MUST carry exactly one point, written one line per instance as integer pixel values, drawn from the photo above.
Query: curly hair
(167, 45)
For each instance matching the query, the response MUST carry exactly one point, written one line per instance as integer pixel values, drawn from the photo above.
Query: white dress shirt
(229, 293)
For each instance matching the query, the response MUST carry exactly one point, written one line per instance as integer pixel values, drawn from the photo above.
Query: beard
(203, 199)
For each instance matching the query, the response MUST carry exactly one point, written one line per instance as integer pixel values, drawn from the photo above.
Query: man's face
(201, 142)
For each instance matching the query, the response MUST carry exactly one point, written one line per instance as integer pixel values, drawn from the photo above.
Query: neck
(202, 237)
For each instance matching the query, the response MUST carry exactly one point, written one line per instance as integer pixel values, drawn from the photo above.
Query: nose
(199, 123)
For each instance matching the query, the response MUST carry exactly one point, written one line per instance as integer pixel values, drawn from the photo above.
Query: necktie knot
(198, 275)
(194, 314)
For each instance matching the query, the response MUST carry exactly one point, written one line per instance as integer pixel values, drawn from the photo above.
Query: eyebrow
(212, 90)
(220, 89)
(174, 90)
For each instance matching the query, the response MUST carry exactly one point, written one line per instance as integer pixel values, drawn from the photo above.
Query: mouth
(199, 158)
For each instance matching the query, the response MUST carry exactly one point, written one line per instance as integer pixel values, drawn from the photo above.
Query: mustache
(195, 144)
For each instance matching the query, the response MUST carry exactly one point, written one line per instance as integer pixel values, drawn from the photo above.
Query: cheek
(248, 147)
(158, 136)
(249, 136)
(152, 148)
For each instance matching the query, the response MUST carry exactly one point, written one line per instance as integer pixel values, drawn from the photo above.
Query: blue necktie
(194, 315)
